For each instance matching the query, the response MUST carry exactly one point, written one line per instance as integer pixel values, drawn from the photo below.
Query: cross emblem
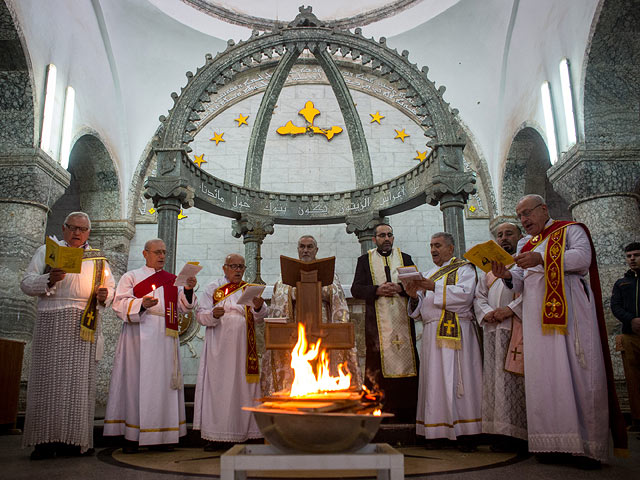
(309, 112)
(90, 317)
(553, 304)
(397, 342)
(516, 353)
(449, 324)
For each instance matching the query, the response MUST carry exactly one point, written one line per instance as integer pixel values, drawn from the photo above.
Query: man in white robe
(277, 373)
(498, 312)
(450, 386)
(146, 399)
(229, 373)
(67, 344)
(565, 373)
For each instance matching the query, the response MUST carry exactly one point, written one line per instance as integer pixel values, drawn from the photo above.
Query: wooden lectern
(308, 278)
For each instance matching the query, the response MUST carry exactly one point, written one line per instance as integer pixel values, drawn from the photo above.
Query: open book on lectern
(291, 268)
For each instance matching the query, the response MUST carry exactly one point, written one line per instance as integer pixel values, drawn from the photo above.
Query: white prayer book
(406, 274)
(276, 320)
(190, 269)
(250, 292)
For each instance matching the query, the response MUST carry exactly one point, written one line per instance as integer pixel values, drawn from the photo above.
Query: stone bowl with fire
(321, 413)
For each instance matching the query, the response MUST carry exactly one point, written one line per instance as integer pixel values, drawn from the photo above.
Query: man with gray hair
(571, 399)
(450, 387)
(499, 312)
(67, 344)
(277, 373)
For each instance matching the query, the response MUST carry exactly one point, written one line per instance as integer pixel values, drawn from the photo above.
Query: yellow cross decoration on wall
(309, 112)
(199, 160)
(401, 135)
(217, 137)
(376, 117)
(242, 120)
(152, 210)
(181, 216)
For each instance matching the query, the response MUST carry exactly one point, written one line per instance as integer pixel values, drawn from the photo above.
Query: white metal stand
(237, 461)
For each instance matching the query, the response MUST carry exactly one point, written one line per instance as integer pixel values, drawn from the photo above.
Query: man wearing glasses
(67, 344)
(277, 373)
(229, 373)
(566, 354)
(146, 400)
(392, 363)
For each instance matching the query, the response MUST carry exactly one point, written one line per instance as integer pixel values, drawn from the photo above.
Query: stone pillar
(253, 229)
(452, 207)
(601, 187)
(451, 188)
(169, 195)
(30, 183)
(113, 237)
(362, 226)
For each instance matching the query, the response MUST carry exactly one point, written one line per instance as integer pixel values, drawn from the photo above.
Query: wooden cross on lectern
(308, 278)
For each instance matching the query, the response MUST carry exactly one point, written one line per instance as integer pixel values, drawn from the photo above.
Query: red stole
(252, 365)
(616, 420)
(164, 279)
(554, 303)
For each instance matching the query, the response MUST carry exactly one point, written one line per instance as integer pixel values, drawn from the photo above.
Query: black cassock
(401, 394)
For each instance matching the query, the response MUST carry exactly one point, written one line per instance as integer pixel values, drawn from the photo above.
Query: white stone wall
(302, 164)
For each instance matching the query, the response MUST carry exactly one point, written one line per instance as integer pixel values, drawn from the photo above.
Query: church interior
(237, 127)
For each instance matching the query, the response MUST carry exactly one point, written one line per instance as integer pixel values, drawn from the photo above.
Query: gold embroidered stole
(89, 320)
(394, 328)
(554, 303)
(448, 334)
(252, 365)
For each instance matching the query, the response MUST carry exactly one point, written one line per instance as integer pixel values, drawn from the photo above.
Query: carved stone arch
(18, 122)
(95, 187)
(440, 179)
(525, 172)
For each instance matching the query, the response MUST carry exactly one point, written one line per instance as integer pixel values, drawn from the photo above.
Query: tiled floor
(15, 464)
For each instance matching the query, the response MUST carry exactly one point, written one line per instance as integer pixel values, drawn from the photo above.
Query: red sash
(554, 303)
(164, 279)
(616, 420)
(252, 372)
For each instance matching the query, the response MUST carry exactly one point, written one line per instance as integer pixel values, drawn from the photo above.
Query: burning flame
(305, 381)
(377, 412)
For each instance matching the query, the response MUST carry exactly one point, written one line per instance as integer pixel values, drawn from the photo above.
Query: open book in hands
(482, 254)
(408, 274)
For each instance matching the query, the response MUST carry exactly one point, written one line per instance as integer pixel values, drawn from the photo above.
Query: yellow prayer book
(68, 259)
(482, 254)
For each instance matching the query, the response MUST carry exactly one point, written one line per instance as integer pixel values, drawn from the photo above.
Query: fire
(305, 381)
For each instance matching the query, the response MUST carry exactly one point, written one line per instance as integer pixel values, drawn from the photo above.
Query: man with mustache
(450, 391)
(229, 372)
(392, 362)
(146, 399)
(566, 359)
(498, 311)
(277, 373)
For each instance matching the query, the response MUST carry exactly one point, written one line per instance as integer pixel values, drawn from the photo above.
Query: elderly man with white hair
(229, 373)
(67, 344)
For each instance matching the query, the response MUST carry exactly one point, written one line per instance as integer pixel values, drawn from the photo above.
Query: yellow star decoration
(199, 160)
(181, 216)
(472, 208)
(217, 137)
(152, 210)
(422, 156)
(401, 135)
(242, 120)
(376, 117)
